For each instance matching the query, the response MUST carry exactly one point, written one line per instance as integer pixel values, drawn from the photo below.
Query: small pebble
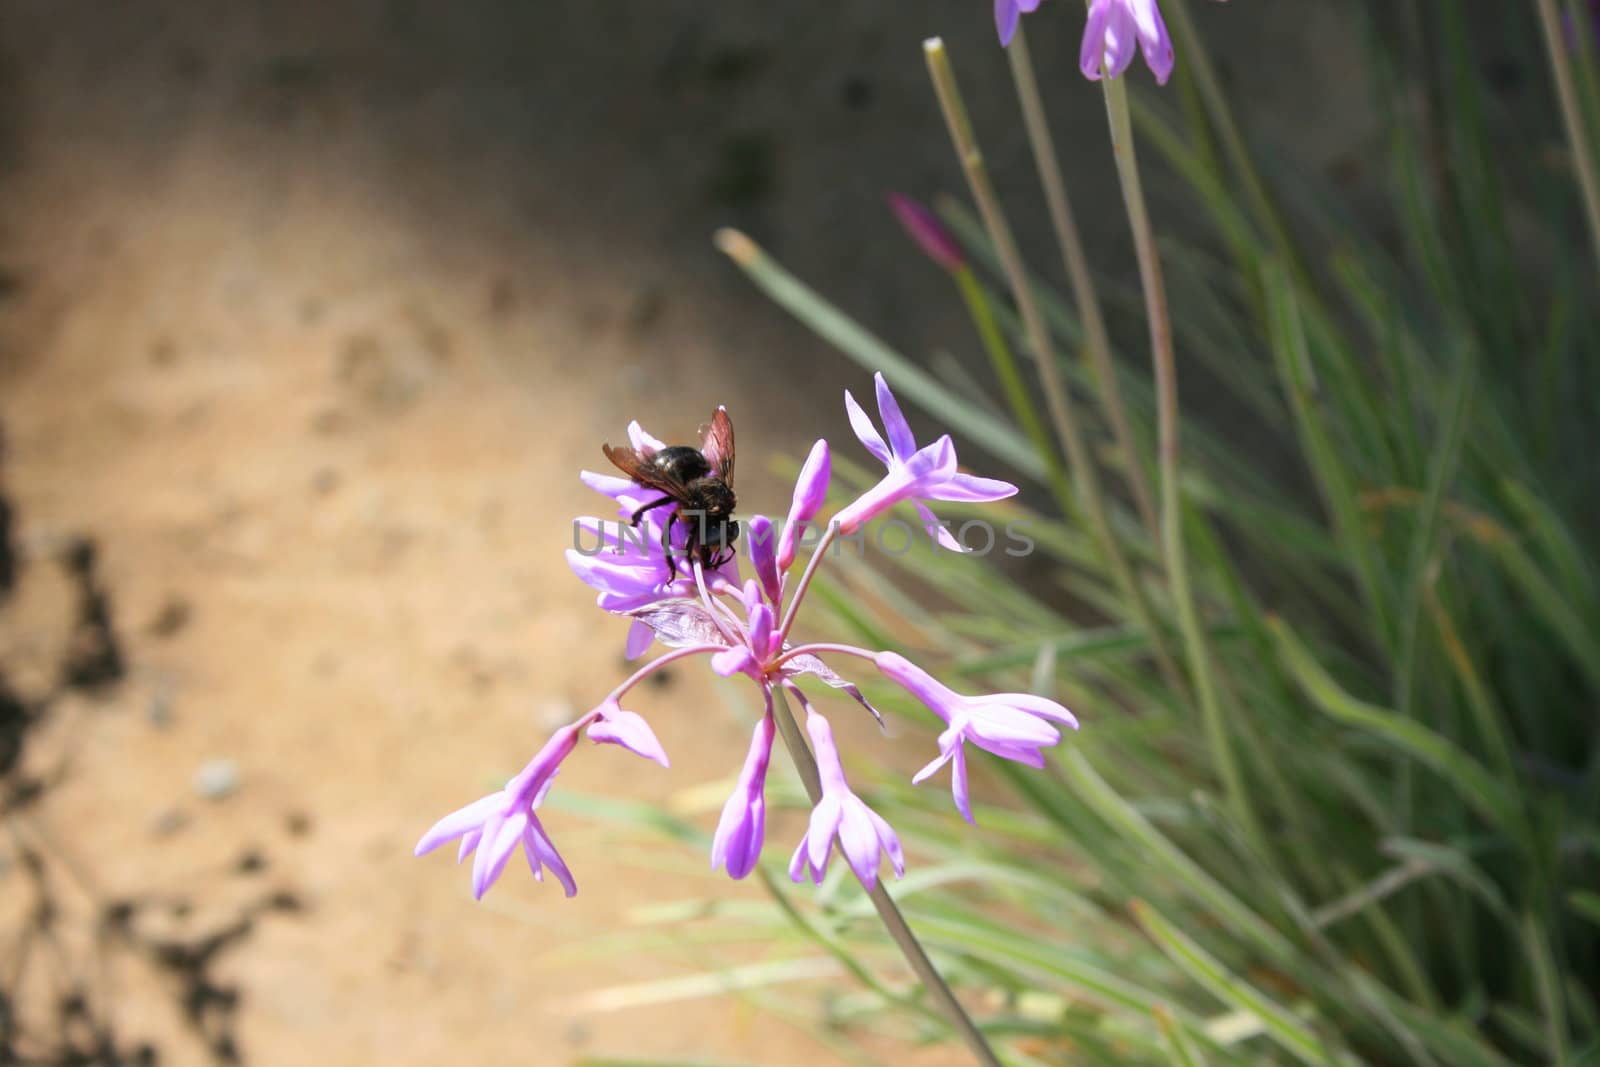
(168, 822)
(159, 711)
(217, 779)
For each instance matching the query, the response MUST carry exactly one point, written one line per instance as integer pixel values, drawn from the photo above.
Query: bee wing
(639, 469)
(716, 444)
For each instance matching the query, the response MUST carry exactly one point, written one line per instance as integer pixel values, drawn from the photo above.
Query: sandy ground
(311, 314)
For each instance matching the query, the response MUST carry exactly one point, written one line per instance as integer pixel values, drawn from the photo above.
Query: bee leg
(639, 514)
(666, 546)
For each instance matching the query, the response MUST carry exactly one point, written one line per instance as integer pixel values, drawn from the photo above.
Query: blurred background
(310, 312)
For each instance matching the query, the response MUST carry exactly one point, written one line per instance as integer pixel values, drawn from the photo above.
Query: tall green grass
(1392, 538)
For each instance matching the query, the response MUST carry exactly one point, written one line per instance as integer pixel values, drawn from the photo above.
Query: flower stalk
(1583, 160)
(889, 912)
(1165, 367)
(1006, 369)
(1081, 462)
(1082, 282)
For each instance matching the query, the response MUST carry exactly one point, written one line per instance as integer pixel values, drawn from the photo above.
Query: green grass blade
(849, 337)
(1280, 1024)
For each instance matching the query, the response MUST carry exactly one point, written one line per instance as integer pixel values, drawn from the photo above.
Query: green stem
(1012, 383)
(1572, 117)
(1055, 391)
(888, 911)
(1077, 265)
(1166, 375)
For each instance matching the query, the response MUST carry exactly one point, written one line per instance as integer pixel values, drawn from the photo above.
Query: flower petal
(889, 840)
(811, 488)
(1153, 39)
(763, 549)
(825, 818)
(639, 637)
(901, 441)
(643, 441)
(930, 769)
(799, 866)
(923, 225)
(629, 730)
(545, 849)
(1092, 53)
(865, 433)
(733, 660)
(958, 785)
(971, 488)
(608, 484)
(1000, 725)
(500, 838)
(1121, 39)
(461, 821)
(740, 833)
(858, 840)
(1028, 702)
(1006, 14)
(937, 530)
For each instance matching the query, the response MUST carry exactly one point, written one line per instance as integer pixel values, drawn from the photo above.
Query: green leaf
(1279, 1023)
(1473, 784)
(849, 337)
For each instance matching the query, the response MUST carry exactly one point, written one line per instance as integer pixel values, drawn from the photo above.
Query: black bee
(699, 482)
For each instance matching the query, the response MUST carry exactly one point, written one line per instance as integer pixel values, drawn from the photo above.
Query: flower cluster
(1114, 31)
(741, 626)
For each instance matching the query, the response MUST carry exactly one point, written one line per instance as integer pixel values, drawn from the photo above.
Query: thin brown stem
(1096, 336)
(1165, 364)
(1038, 334)
(888, 911)
(1583, 160)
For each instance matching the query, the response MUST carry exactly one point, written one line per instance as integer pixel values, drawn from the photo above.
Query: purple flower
(742, 828)
(934, 240)
(810, 491)
(1010, 725)
(627, 566)
(751, 646)
(1114, 29)
(864, 837)
(914, 474)
(760, 539)
(1006, 15)
(495, 825)
(747, 647)
(742, 628)
(614, 726)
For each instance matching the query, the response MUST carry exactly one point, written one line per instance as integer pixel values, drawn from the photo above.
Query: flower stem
(656, 664)
(1016, 389)
(1166, 375)
(888, 911)
(1077, 265)
(1060, 405)
(805, 581)
(822, 646)
(1572, 117)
